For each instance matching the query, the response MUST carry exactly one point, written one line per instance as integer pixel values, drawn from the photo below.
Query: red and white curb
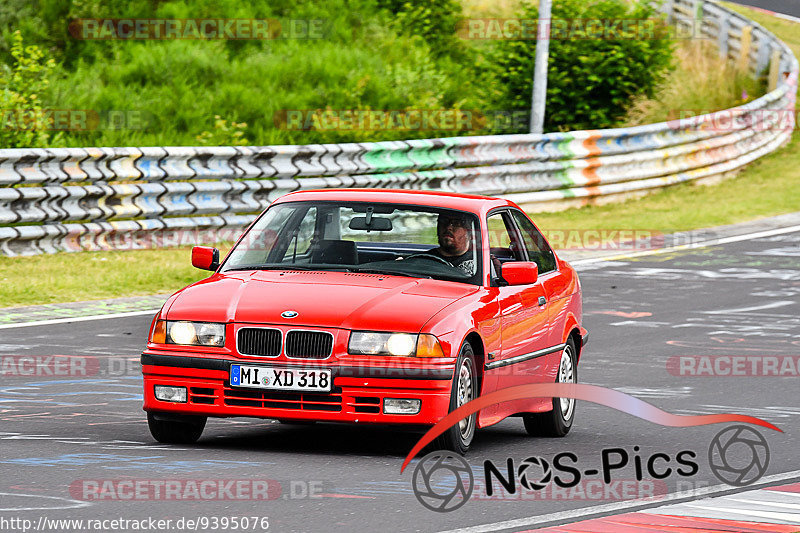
(772, 509)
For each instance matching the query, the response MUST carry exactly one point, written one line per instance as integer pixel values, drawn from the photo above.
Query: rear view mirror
(205, 258)
(520, 272)
(375, 224)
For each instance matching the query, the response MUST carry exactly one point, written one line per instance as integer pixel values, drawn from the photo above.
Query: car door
(524, 316)
(555, 283)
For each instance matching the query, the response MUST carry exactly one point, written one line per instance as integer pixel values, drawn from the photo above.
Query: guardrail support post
(669, 9)
(744, 51)
(723, 37)
(764, 48)
(774, 69)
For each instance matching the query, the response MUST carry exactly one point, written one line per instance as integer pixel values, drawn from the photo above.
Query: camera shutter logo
(738, 455)
(443, 481)
(528, 477)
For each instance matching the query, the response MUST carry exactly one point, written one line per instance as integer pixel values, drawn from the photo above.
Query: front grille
(301, 401)
(309, 344)
(260, 341)
(366, 404)
(202, 395)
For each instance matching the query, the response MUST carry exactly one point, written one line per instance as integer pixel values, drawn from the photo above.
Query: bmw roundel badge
(289, 314)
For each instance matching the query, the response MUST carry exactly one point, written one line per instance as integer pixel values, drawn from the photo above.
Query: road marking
(73, 504)
(619, 506)
(771, 305)
(78, 319)
(703, 244)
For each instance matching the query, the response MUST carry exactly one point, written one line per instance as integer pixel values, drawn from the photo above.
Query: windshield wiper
(387, 271)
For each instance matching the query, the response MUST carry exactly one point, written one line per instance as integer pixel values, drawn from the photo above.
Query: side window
(503, 244)
(538, 249)
(300, 244)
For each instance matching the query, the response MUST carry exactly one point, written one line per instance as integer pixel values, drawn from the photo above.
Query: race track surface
(63, 436)
(787, 7)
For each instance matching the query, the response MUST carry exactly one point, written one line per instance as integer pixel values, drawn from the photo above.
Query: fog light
(401, 406)
(170, 394)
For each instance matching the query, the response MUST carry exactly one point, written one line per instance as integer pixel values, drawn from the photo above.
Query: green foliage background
(376, 54)
(591, 82)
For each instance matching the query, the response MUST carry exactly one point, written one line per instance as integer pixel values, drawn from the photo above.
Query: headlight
(400, 344)
(189, 333)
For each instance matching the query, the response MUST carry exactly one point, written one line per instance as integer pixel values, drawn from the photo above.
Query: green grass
(69, 277)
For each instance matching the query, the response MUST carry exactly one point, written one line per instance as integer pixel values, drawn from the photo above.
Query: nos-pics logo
(443, 481)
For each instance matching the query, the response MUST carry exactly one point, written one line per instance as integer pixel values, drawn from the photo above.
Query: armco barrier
(70, 199)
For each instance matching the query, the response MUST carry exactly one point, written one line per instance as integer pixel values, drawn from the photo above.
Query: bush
(23, 120)
(435, 22)
(369, 59)
(591, 82)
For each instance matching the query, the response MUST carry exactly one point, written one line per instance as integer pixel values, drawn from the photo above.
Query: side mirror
(205, 258)
(520, 272)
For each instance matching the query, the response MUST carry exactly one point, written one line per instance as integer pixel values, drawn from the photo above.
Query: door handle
(542, 300)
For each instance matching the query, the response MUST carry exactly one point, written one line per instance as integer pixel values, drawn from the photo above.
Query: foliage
(591, 81)
(224, 134)
(23, 84)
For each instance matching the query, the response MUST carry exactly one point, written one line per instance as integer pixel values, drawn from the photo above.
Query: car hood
(322, 299)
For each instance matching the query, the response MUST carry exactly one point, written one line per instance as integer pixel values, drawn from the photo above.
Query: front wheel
(465, 389)
(176, 429)
(558, 422)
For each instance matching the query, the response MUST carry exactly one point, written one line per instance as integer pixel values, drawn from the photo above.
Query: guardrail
(71, 199)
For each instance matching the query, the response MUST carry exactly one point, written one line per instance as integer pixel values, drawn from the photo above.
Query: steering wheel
(431, 256)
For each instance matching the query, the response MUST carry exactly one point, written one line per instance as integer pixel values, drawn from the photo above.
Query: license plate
(277, 378)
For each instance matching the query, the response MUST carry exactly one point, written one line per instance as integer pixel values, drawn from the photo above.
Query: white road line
(616, 507)
(72, 504)
(77, 319)
(772, 516)
(771, 305)
(703, 244)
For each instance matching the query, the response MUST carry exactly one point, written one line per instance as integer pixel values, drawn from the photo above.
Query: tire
(465, 389)
(558, 422)
(176, 429)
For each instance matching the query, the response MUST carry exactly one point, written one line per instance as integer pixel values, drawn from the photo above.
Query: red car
(369, 306)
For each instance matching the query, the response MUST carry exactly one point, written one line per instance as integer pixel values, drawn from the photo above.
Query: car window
(303, 236)
(503, 243)
(535, 244)
(415, 241)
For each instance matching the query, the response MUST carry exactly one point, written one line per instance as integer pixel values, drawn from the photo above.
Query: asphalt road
(61, 434)
(787, 7)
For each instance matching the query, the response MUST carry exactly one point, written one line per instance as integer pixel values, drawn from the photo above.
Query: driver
(454, 232)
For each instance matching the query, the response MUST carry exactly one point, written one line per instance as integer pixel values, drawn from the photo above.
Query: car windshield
(381, 238)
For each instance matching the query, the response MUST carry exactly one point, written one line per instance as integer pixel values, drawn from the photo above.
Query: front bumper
(357, 396)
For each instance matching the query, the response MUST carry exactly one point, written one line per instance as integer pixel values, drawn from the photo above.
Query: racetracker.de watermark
(26, 366)
(74, 119)
(209, 489)
(129, 29)
(577, 29)
(733, 120)
(236, 522)
(382, 119)
(734, 366)
(150, 239)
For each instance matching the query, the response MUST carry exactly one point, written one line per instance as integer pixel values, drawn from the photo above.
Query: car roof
(449, 200)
